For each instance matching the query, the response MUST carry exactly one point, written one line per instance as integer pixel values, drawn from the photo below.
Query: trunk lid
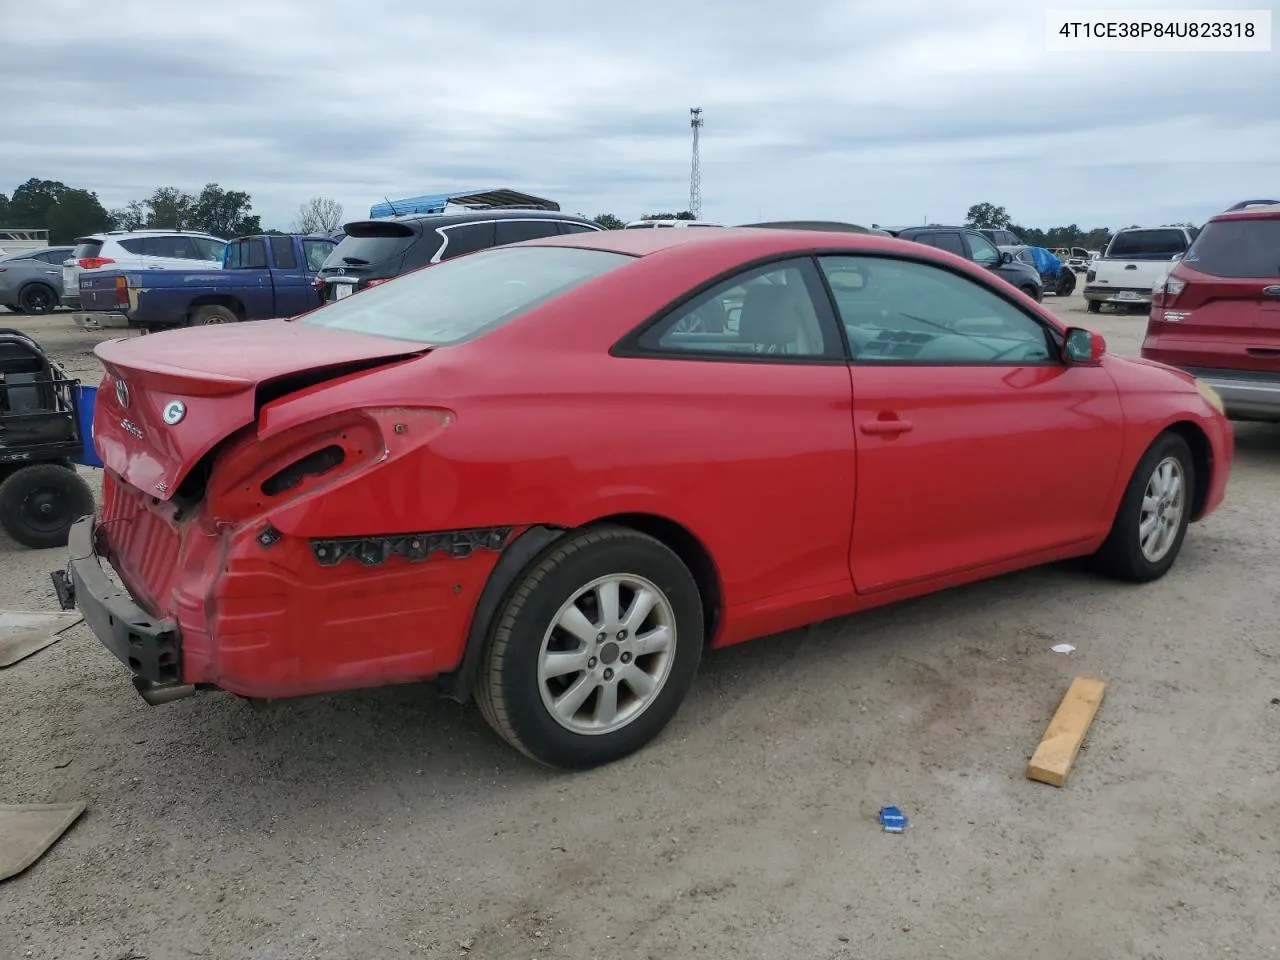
(167, 399)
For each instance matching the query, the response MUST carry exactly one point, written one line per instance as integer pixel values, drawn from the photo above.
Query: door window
(765, 313)
(982, 251)
(904, 312)
(949, 242)
(316, 252)
(567, 227)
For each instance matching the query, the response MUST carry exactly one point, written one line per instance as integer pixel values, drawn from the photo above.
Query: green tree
(170, 209)
(32, 202)
(4, 210)
(132, 217)
(608, 221)
(987, 216)
(76, 213)
(224, 213)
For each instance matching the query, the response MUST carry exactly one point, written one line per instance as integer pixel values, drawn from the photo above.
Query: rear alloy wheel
(38, 299)
(1151, 523)
(594, 650)
(212, 313)
(40, 502)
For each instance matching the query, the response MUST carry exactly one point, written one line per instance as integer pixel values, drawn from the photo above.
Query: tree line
(70, 212)
(990, 216)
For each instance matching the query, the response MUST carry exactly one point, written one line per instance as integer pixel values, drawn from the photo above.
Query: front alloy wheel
(594, 650)
(1147, 533)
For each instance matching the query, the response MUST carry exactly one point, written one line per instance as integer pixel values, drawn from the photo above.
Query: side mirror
(1006, 257)
(1083, 347)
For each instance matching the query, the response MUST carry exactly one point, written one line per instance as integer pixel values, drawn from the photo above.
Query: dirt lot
(391, 824)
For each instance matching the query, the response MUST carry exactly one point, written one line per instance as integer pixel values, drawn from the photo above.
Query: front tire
(1146, 536)
(594, 649)
(40, 502)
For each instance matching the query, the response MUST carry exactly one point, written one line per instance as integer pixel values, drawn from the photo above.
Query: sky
(866, 111)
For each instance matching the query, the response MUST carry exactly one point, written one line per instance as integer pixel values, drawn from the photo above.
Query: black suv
(972, 245)
(379, 249)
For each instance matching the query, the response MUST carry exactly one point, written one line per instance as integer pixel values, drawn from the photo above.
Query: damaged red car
(549, 476)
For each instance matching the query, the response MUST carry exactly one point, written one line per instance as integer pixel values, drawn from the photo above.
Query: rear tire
(38, 299)
(1066, 284)
(40, 502)
(1146, 536)
(1032, 292)
(581, 698)
(1095, 306)
(211, 313)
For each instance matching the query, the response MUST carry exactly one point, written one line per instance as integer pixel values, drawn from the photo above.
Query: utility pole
(695, 171)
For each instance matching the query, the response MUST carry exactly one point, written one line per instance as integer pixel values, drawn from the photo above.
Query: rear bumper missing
(150, 647)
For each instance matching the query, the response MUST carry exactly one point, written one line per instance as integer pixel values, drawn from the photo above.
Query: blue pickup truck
(261, 277)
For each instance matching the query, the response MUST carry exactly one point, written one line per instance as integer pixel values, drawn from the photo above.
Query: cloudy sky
(886, 111)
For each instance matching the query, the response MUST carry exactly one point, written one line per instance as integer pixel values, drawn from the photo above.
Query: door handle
(1272, 291)
(886, 427)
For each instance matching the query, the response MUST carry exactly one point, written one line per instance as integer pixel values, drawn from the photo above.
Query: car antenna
(394, 211)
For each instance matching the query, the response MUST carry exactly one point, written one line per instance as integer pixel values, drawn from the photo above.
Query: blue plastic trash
(86, 399)
(893, 820)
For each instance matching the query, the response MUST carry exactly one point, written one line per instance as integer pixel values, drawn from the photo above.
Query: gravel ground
(390, 824)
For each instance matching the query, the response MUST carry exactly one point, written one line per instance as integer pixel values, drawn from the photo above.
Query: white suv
(138, 250)
(644, 224)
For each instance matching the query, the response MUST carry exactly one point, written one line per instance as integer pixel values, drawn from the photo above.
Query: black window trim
(1053, 334)
(443, 231)
(833, 331)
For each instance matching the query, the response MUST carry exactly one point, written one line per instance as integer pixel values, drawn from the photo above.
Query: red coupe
(550, 475)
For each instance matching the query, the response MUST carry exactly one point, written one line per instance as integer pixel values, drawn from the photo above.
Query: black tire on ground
(1032, 292)
(211, 313)
(15, 308)
(38, 299)
(1121, 555)
(509, 690)
(1066, 283)
(1094, 306)
(40, 502)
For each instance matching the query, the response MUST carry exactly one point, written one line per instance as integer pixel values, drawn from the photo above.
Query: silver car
(31, 281)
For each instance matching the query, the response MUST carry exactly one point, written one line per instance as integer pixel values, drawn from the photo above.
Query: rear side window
(458, 300)
(1146, 245)
(467, 238)
(513, 231)
(85, 249)
(134, 245)
(282, 253)
(371, 243)
(949, 242)
(1237, 248)
(566, 227)
(246, 255)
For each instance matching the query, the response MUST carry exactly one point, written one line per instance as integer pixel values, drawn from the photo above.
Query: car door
(976, 444)
(516, 230)
(249, 276)
(292, 281)
(982, 251)
(948, 240)
(756, 393)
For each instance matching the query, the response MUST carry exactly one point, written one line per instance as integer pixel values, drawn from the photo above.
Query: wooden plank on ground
(1057, 751)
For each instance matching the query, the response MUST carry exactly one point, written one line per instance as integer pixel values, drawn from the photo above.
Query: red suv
(1217, 313)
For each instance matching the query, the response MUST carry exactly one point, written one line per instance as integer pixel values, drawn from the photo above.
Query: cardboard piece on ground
(28, 830)
(1057, 751)
(22, 633)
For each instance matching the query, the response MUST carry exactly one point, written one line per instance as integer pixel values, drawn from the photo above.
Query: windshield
(458, 300)
(1237, 248)
(367, 243)
(1146, 245)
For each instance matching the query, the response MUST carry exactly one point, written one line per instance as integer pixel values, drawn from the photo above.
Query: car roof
(466, 216)
(940, 226)
(746, 242)
(1271, 212)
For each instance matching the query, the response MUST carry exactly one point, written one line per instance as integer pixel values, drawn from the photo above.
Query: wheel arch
(216, 300)
(36, 282)
(529, 547)
(1201, 461)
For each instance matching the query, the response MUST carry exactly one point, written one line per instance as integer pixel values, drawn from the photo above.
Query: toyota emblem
(174, 411)
(122, 393)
